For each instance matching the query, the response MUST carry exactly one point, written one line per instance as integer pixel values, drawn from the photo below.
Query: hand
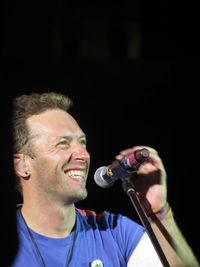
(150, 179)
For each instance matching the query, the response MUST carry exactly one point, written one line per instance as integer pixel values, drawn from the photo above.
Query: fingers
(124, 152)
(154, 162)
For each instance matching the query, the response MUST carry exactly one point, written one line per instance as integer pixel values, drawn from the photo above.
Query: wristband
(162, 213)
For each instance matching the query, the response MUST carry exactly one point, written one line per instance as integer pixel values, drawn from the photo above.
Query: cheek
(44, 165)
(41, 168)
(63, 156)
(50, 164)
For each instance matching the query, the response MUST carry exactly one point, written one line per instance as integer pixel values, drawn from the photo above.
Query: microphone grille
(98, 177)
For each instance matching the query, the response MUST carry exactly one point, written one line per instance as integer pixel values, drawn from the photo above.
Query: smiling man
(51, 164)
(61, 160)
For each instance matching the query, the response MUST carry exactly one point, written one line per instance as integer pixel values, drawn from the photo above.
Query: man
(51, 162)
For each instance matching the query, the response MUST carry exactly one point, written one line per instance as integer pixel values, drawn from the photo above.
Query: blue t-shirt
(110, 238)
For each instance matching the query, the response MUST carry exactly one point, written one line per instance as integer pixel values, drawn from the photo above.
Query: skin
(150, 180)
(151, 185)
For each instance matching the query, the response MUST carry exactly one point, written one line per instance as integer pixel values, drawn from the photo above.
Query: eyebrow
(70, 137)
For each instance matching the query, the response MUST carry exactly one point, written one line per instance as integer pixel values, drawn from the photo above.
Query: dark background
(131, 69)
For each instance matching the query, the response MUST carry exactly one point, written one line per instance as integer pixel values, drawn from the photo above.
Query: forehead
(53, 122)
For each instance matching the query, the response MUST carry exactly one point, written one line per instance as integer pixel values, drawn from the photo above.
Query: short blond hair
(24, 107)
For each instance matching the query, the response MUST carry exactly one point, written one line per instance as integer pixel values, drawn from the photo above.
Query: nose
(80, 153)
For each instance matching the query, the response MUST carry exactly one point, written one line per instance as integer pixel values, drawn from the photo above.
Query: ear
(21, 166)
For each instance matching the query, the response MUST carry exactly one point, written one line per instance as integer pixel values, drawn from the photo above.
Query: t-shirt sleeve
(144, 254)
(128, 234)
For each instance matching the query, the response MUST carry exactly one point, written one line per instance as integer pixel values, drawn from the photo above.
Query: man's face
(60, 168)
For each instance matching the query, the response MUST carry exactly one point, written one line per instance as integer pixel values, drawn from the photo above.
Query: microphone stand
(131, 192)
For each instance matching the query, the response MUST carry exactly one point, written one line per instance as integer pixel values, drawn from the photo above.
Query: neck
(50, 219)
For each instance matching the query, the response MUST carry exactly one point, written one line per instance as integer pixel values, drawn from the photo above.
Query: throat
(58, 223)
(37, 248)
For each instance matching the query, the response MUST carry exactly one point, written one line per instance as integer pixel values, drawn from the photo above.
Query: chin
(81, 196)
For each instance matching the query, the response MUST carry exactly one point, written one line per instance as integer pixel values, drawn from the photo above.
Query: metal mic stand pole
(130, 191)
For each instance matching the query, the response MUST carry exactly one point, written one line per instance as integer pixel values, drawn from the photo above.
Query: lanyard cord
(70, 253)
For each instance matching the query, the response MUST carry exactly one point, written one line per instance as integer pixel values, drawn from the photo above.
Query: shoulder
(109, 220)
(86, 213)
(121, 231)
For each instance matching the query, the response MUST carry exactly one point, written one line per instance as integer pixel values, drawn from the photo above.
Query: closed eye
(64, 142)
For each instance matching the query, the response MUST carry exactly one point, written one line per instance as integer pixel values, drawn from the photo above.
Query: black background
(131, 71)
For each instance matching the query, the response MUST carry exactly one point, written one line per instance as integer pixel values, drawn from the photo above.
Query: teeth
(76, 173)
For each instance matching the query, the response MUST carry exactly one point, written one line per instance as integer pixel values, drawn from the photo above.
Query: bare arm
(174, 245)
(150, 182)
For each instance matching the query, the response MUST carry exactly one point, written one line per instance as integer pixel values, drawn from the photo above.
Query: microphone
(106, 176)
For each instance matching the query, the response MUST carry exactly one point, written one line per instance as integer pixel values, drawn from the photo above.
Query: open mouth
(78, 175)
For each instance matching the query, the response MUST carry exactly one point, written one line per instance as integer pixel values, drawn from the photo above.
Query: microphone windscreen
(98, 177)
